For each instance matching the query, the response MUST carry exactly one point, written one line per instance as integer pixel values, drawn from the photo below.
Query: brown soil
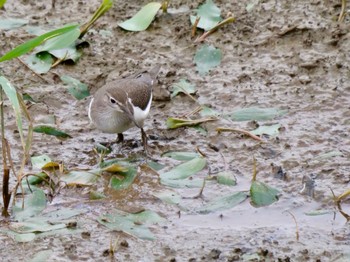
(283, 54)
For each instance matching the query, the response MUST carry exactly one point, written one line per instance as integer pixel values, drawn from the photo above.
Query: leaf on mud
(206, 58)
(209, 15)
(173, 123)
(27, 97)
(101, 149)
(181, 156)
(142, 19)
(328, 155)
(42, 256)
(207, 111)
(183, 86)
(95, 195)
(31, 44)
(223, 203)
(272, 130)
(115, 168)
(133, 224)
(81, 177)
(61, 41)
(255, 113)
(226, 178)
(124, 180)
(68, 53)
(34, 225)
(49, 130)
(155, 165)
(34, 180)
(262, 194)
(319, 212)
(251, 5)
(11, 23)
(185, 170)
(182, 183)
(40, 63)
(168, 196)
(34, 204)
(43, 162)
(11, 93)
(76, 88)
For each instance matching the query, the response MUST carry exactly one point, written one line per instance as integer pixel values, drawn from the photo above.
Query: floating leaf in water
(272, 130)
(75, 87)
(124, 180)
(40, 63)
(181, 156)
(173, 123)
(34, 204)
(49, 130)
(255, 113)
(185, 170)
(183, 86)
(223, 203)
(226, 178)
(11, 23)
(168, 196)
(262, 194)
(133, 224)
(81, 177)
(142, 19)
(31, 44)
(206, 58)
(209, 15)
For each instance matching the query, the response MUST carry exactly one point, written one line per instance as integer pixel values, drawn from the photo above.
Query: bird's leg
(144, 140)
(120, 138)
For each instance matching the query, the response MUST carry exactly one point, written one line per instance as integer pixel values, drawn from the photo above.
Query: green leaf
(123, 182)
(29, 45)
(81, 177)
(34, 180)
(181, 156)
(206, 58)
(24, 237)
(27, 97)
(2, 2)
(11, 23)
(75, 87)
(251, 5)
(49, 130)
(155, 165)
(34, 225)
(33, 205)
(61, 41)
(185, 170)
(183, 86)
(168, 196)
(39, 162)
(182, 183)
(207, 112)
(68, 53)
(173, 123)
(272, 130)
(255, 113)
(11, 93)
(133, 224)
(42, 256)
(223, 203)
(40, 63)
(142, 19)
(209, 15)
(262, 194)
(226, 178)
(94, 195)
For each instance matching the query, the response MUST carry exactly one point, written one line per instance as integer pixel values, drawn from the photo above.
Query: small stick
(230, 19)
(296, 225)
(343, 11)
(194, 27)
(245, 132)
(46, 81)
(196, 110)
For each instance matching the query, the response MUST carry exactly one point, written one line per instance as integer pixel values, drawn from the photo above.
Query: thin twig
(194, 27)
(195, 111)
(230, 19)
(226, 129)
(42, 78)
(296, 225)
(342, 11)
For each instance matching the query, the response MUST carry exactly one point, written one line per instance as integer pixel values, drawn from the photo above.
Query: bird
(124, 103)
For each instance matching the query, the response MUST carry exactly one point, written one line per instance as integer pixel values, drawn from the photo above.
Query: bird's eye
(113, 101)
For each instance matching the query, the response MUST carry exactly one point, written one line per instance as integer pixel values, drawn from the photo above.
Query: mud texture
(285, 54)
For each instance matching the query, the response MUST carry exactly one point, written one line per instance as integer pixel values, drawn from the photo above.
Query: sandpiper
(124, 103)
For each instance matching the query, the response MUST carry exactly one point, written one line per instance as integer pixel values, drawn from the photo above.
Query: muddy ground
(285, 54)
